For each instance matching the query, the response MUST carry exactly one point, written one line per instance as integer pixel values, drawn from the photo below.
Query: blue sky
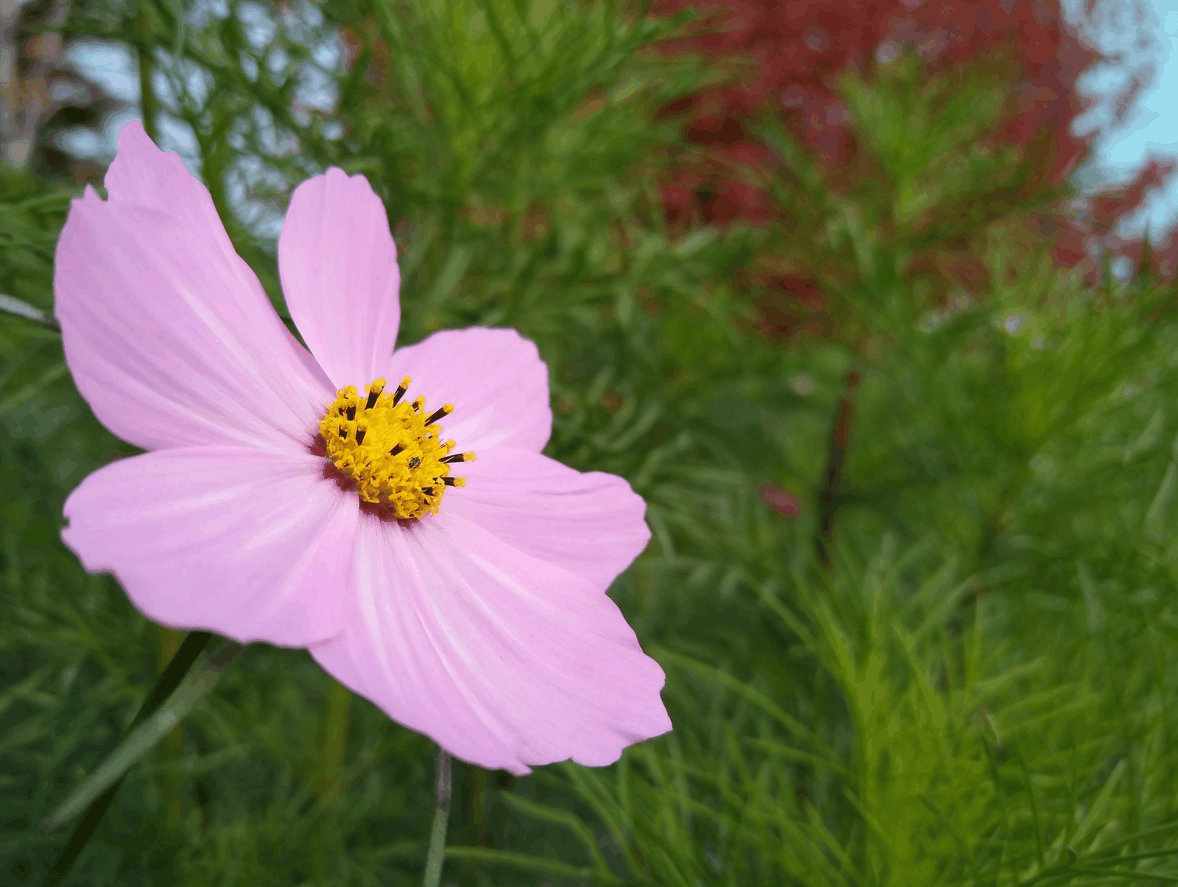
(1146, 48)
(113, 65)
(1143, 40)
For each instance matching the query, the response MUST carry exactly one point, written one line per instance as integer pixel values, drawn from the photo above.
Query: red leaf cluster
(785, 55)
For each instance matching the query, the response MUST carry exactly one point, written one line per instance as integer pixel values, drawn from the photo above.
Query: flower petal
(503, 659)
(591, 524)
(495, 379)
(253, 545)
(168, 334)
(339, 275)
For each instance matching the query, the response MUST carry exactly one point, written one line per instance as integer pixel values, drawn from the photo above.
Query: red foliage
(785, 55)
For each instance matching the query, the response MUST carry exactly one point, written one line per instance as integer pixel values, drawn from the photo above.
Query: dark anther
(398, 394)
(415, 461)
(360, 435)
(340, 411)
(372, 396)
(457, 457)
(352, 413)
(448, 481)
(396, 450)
(434, 417)
(343, 432)
(429, 491)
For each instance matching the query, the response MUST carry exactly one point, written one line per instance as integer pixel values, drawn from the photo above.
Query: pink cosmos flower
(292, 497)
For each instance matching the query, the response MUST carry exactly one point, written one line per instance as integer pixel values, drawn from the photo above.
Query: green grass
(979, 689)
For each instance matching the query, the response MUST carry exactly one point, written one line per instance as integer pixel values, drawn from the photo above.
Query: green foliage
(978, 689)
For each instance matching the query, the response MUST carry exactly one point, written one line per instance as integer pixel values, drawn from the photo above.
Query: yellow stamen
(391, 449)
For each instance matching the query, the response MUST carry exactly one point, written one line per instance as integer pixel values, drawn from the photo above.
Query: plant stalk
(172, 747)
(168, 681)
(437, 838)
(148, 105)
(327, 781)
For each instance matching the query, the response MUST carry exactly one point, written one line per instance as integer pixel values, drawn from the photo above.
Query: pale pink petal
(253, 545)
(495, 379)
(504, 660)
(339, 275)
(589, 523)
(142, 175)
(167, 332)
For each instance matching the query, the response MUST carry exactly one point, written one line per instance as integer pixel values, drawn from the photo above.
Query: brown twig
(828, 496)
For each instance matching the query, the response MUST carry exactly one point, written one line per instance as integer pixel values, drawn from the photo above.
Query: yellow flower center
(390, 451)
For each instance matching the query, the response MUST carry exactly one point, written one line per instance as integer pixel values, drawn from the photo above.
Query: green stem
(477, 798)
(478, 803)
(172, 746)
(335, 740)
(164, 687)
(147, 100)
(335, 735)
(437, 838)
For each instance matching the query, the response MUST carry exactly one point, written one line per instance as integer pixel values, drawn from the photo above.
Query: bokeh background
(872, 301)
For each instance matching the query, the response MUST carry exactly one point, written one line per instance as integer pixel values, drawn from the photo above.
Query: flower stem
(164, 686)
(478, 787)
(172, 747)
(478, 803)
(147, 99)
(437, 838)
(334, 743)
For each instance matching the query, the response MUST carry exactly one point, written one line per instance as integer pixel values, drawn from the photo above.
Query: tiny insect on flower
(415, 540)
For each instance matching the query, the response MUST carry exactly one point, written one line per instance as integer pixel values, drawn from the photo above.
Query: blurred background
(872, 301)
